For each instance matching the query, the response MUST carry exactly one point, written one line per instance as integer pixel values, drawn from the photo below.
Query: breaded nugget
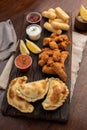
(59, 71)
(49, 52)
(63, 45)
(64, 55)
(61, 38)
(45, 49)
(53, 45)
(46, 41)
(50, 61)
(48, 70)
(56, 55)
(53, 35)
(41, 62)
(43, 56)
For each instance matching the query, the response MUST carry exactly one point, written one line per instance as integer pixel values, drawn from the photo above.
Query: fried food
(58, 25)
(20, 93)
(61, 38)
(53, 45)
(57, 20)
(53, 35)
(50, 61)
(49, 27)
(57, 94)
(33, 91)
(59, 71)
(44, 56)
(49, 14)
(41, 62)
(51, 10)
(48, 51)
(46, 41)
(63, 45)
(62, 14)
(48, 70)
(64, 55)
(43, 59)
(14, 100)
(52, 58)
(56, 55)
(49, 42)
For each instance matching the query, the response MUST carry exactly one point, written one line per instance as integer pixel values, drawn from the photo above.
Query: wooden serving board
(62, 113)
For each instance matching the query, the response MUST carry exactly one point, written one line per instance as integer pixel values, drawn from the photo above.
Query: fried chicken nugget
(41, 62)
(53, 45)
(45, 49)
(64, 55)
(48, 70)
(56, 55)
(48, 51)
(41, 55)
(50, 61)
(45, 57)
(63, 45)
(53, 35)
(59, 71)
(44, 52)
(61, 38)
(46, 41)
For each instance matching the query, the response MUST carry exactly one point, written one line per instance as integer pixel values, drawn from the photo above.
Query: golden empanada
(33, 91)
(14, 100)
(56, 95)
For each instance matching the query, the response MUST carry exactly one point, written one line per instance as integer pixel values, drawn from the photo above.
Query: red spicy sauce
(34, 18)
(23, 62)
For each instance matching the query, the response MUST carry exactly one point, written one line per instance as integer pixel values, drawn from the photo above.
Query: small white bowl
(34, 31)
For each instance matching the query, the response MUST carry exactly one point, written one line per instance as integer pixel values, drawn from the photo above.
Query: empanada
(56, 95)
(33, 91)
(14, 100)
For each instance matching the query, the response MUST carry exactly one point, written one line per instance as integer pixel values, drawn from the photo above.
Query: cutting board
(59, 115)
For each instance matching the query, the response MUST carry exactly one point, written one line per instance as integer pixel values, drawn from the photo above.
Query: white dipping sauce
(34, 31)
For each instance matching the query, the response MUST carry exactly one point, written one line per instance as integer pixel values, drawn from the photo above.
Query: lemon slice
(83, 12)
(32, 47)
(23, 48)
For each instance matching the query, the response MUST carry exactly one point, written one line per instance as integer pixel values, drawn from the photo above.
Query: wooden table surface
(15, 10)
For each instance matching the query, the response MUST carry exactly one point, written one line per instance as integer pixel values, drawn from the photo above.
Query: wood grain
(34, 74)
(78, 106)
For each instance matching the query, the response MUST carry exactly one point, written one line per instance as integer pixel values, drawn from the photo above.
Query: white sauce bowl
(34, 31)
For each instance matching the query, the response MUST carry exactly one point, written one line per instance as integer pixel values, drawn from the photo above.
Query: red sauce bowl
(34, 17)
(23, 62)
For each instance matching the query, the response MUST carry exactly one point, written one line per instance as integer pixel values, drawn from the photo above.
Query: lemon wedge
(32, 47)
(23, 48)
(83, 12)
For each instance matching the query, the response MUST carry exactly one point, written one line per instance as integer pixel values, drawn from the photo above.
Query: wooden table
(15, 10)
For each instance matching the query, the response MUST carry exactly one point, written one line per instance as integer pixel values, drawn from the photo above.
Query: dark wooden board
(62, 113)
